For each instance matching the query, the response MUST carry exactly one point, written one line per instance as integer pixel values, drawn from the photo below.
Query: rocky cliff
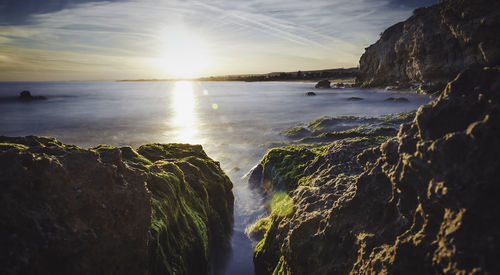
(108, 210)
(434, 44)
(424, 202)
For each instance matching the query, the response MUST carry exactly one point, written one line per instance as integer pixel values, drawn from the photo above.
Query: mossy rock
(258, 229)
(191, 197)
(33, 141)
(283, 167)
(297, 132)
(325, 124)
(267, 253)
(6, 146)
(157, 151)
(192, 206)
(128, 154)
(352, 133)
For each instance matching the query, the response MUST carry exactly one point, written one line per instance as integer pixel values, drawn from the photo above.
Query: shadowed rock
(323, 84)
(434, 44)
(422, 203)
(397, 99)
(26, 96)
(310, 94)
(354, 98)
(108, 210)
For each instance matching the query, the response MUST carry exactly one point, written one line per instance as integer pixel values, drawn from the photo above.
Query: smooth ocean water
(234, 121)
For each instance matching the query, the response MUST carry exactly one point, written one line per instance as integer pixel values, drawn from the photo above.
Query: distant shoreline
(298, 76)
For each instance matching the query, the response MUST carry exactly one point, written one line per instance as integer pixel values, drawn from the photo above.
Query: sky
(62, 40)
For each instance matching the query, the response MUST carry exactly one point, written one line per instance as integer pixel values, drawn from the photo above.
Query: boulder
(323, 84)
(310, 94)
(110, 210)
(397, 99)
(339, 85)
(26, 96)
(354, 98)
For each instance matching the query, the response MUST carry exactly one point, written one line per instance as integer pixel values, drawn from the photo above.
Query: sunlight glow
(184, 118)
(184, 54)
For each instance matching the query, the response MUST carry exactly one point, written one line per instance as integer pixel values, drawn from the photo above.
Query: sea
(235, 122)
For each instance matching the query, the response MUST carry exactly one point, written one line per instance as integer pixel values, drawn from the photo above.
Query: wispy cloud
(243, 36)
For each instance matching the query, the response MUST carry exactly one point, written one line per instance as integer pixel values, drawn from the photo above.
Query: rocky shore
(421, 203)
(159, 209)
(369, 199)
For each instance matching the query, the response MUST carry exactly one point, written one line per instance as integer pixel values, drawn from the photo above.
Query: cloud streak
(243, 36)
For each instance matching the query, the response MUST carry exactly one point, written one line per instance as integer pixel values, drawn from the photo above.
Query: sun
(183, 54)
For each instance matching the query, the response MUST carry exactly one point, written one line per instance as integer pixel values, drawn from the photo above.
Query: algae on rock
(158, 210)
(422, 203)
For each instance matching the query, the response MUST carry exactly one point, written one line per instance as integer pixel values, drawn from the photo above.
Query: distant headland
(339, 73)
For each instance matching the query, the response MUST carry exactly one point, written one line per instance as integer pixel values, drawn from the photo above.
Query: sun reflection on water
(184, 119)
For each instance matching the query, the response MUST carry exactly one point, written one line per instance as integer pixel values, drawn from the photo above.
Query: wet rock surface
(109, 210)
(421, 203)
(434, 45)
(327, 129)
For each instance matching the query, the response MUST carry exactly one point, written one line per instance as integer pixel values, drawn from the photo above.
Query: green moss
(397, 118)
(101, 148)
(318, 125)
(156, 151)
(352, 133)
(192, 200)
(258, 229)
(190, 207)
(286, 165)
(191, 211)
(129, 154)
(5, 146)
(178, 226)
(267, 254)
(49, 141)
(38, 141)
(335, 135)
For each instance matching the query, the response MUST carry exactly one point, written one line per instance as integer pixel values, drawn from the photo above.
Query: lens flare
(281, 204)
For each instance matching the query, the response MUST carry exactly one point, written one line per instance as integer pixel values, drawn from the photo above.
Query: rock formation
(434, 45)
(323, 84)
(108, 210)
(26, 96)
(422, 203)
(397, 99)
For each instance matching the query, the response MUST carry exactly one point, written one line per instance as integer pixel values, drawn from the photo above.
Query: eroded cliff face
(108, 210)
(424, 203)
(435, 44)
